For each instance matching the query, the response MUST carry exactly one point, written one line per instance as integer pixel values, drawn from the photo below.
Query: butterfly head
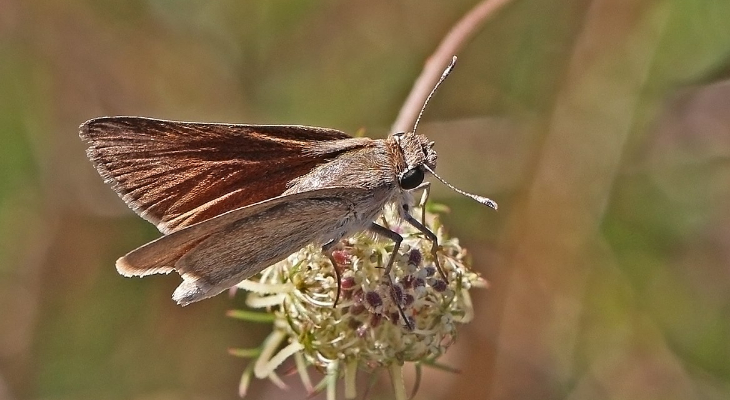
(419, 157)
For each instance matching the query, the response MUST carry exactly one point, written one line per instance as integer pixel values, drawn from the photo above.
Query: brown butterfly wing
(218, 253)
(175, 174)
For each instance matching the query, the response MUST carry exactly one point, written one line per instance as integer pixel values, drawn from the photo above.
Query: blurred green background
(601, 127)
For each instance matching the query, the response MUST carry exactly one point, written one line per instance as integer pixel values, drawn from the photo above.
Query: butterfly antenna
(446, 73)
(483, 200)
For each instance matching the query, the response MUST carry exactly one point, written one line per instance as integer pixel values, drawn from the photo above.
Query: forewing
(216, 254)
(175, 174)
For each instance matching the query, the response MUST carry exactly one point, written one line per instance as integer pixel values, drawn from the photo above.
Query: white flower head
(365, 330)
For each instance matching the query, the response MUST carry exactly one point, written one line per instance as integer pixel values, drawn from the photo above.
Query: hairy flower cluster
(366, 329)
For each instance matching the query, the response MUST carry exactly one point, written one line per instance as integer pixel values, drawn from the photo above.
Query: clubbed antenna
(446, 73)
(483, 200)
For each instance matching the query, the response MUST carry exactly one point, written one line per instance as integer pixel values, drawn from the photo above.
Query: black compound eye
(411, 178)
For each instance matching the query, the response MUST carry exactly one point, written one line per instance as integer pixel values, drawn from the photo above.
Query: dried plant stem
(450, 45)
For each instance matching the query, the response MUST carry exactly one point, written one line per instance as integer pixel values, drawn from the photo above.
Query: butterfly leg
(426, 187)
(429, 235)
(397, 239)
(327, 250)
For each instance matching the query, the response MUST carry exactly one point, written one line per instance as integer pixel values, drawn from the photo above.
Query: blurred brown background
(601, 127)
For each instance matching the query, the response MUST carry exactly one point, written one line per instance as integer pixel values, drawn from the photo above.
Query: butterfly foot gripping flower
(365, 330)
